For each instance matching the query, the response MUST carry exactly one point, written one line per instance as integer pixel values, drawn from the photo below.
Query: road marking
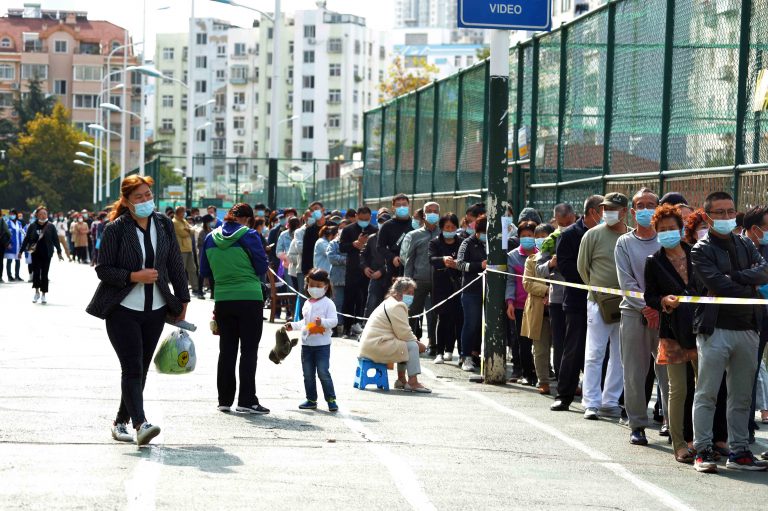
(402, 475)
(659, 493)
(140, 487)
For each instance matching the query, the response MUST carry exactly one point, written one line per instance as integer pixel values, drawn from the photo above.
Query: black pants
(573, 355)
(450, 319)
(9, 267)
(760, 352)
(134, 337)
(81, 253)
(240, 323)
(522, 349)
(422, 299)
(557, 323)
(376, 291)
(41, 263)
(355, 297)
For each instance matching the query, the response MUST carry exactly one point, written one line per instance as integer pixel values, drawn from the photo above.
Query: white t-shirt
(323, 308)
(135, 299)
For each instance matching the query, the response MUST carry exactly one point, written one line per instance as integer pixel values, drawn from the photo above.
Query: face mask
(43, 221)
(449, 234)
(415, 224)
(144, 209)
(311, 221)
(611, 217)
(470, 231)
(540, 242)
(317, 214)
(484, 238)
(316, 292)
(79, 219)
(669, 239)
(363, 223)
(724, 226)
(764, 237)
(682, 233)
(212, 225)
(259, 212)
(433, 218)
(527, 242)
(265, 231)
(402, 211)
(643, 217)
(20, 217)
(702, 233)
(408, 300)
(283, 222)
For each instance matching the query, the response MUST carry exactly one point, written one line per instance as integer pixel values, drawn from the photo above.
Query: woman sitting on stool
(387, 337)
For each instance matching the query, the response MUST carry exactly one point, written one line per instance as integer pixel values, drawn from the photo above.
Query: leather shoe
(544, 389)
(560, 406)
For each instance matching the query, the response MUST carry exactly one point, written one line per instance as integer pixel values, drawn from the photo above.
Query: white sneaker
(146, 433)
(448, 357)
(37, 297)
(121, 433)
(42, 299)
(356, 329)
(439, 359)
(468, 365)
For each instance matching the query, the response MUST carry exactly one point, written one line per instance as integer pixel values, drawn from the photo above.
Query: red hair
(127, 187)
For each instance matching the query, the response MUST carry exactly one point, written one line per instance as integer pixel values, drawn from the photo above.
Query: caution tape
(711, 300)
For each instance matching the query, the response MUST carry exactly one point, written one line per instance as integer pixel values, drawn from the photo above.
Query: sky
(379, 14)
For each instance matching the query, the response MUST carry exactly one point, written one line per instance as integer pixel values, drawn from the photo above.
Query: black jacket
(120, 255)
(390, 238)
(349, 235)
(49, 241)
(661, 279)
(574, 300)
(445, 281)
(370, 257)
(716, 277)
(470, 258)
(311, 235)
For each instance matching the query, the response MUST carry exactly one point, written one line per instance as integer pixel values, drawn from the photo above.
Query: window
(290, 47)
(290, 72)
(255, 147)
(183, 101)
(334, 69)
(307, 132)
(269, 58)
(201, 38)
(168, 53)
(184, 76)
(270, 33)
(200, 111)
(166, 125)
(87, 73)
(457, 61)
(201, 86)
(256, 122)
(168, 101)
(307, 106)
(86, 100)
(256, 49)
(239, 49)
(238, 123)
(334, 46)
(185, 53)
(60, 46)
(355, 95)
(355, 122)
(31, 41)
(334, 121)
(60, 87)
(201, 62)
(7, 72)
(238, 98)
(168, 77)
(238, 74)
(200, 135)
(356, 74)
(357, 47)
(565, 5)
(309, 81)
(221, 75)
(256, 74)
(334, 96)
(382, 53)
(135, 132)
(31, 70)
(199, 159)
(470, 60)
(419, 39)
(220, 126)
(309, 57)
(221, 51)
(6, 100)
(306, 155)
(309, 31)
(238, 147)
(6, 42)
(381, 75)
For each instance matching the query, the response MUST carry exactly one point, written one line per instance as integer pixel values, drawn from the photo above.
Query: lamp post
(84, 164)
(85, 143)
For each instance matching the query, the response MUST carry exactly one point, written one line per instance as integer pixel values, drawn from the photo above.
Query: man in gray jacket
(418, 268)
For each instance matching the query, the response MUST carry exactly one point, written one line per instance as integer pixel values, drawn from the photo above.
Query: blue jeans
(316, 360)
(473, 317)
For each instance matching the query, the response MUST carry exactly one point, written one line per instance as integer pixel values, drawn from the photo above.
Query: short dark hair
(481, 224)
(476, 209)
(293, 223)
(260, 206)
(755, 217)
(563, 209)
(715, 196)
(319, 275)
(545, 228)
(316, 203)
(642, 191)
(211, 207)
(593, 202)
(328, 230)
(400, 196)
(448, 217)
(419, 213)
(527, 225)
(364, 210)
(350, 213)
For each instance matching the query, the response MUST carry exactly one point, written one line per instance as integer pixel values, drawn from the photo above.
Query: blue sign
(534, 15)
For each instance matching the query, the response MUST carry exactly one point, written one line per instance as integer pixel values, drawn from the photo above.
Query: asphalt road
(466, 446)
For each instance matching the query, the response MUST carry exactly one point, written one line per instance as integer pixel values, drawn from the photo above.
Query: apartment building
(71, 55)
(434, 46)
(437, 14)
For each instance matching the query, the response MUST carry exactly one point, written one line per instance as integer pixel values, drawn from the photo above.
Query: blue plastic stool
(380, 379)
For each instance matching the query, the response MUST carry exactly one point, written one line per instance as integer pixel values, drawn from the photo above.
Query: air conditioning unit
(15, 86)
(238, 108)
(136, 91)
(252, 51)
(240, 133)
(289, 106)
(311, 40)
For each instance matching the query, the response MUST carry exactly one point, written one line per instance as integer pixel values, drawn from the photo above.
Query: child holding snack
(318, 321)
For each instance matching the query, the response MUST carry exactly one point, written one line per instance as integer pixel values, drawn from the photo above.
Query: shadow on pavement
(273, 422)
(206, 458)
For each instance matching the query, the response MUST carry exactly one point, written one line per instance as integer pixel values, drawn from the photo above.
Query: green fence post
(416, 141)
(436, 138)
(314, 180)
(237, 179)
(563, 96)
(486, 107)
(534, 117)
(398, 142)
(610, 61)
(758, 115)
(517, 195)
(742, 99)
(666, 95)
(382, 152)
(459, 131)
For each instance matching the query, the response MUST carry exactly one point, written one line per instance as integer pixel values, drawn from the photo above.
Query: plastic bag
(670, 352)
(176, 354)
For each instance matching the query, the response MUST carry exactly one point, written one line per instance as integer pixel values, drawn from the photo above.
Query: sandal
(399, 385)
(686, 458)
(421, 389)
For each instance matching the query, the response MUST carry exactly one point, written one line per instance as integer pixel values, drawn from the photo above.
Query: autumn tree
(34, 102)
(403, 79)
(483, 53)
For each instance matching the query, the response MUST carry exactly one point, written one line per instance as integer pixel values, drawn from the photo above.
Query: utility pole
(277, 90)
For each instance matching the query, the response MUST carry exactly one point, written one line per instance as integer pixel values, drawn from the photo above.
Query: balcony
(238, 80)
(166, 131)
(35, 47)
(238, 56)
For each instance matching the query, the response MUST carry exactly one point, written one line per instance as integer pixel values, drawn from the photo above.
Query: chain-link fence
(655, 93)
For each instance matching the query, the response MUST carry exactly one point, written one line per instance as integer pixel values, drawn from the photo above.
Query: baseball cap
(615, 199)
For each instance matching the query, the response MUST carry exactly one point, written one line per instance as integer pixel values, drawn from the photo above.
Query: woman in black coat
(446, 279)
(139, 261)
(41, 239)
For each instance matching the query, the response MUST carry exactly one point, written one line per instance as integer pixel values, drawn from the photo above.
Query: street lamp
(102, 129)
(85, 155)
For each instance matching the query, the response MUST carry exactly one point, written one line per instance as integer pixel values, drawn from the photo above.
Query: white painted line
(140, 487)
(659, 493)
(402, 475)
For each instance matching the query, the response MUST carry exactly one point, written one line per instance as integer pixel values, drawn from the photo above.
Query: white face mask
(316, 292)
(611, 217)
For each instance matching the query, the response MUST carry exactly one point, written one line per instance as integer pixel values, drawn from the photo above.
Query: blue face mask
(402, 211)
(643, 217)
(408, 300)
(415, 224)
(311, 221)
(669, 239)
(259, 212)
(317, 214)
(764, 237)
(682, 233)
(540, 242)
(144, 209)
(449, 234)
(433, 218)
(283, 222)
(527, 242)
(484, 238)
(724, 226)
(363, 223)
(470, 231)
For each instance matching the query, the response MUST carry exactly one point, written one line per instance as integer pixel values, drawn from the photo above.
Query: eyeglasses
(729, 213)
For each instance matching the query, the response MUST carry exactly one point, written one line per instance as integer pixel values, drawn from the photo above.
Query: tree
(40, 168)
(402, 80)
(155, 149)
(483, 53)
(35, 102)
